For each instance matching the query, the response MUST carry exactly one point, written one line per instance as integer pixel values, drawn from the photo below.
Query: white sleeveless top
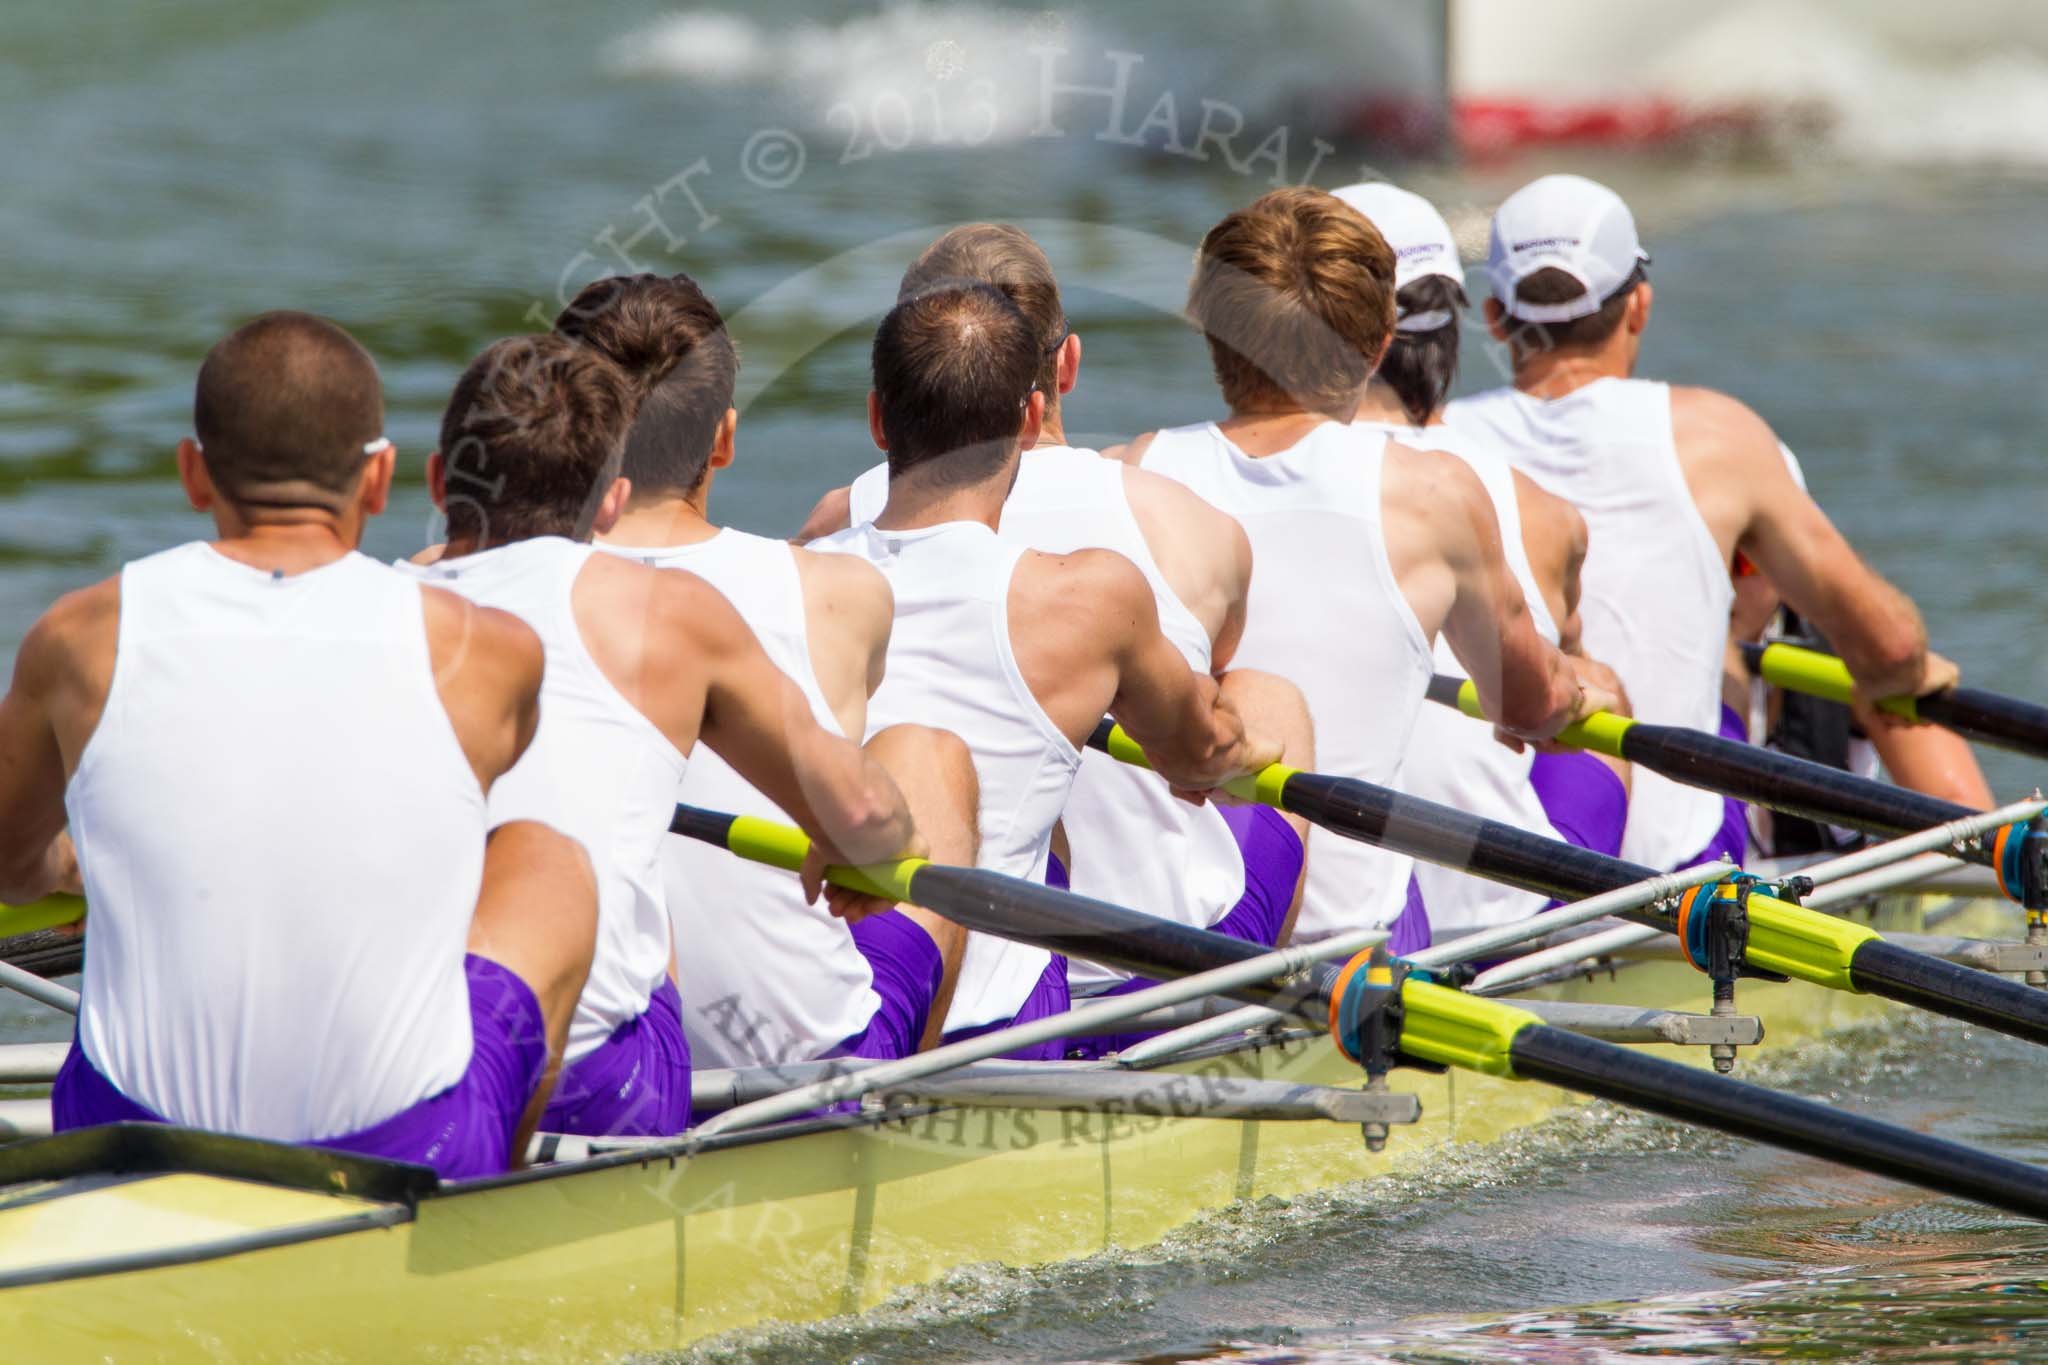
(951, 666)
(765, 978)
(1192, 872)
(282, 843)
(1326, 613)
(1655, 594)
(598, 771)
(1455, 761)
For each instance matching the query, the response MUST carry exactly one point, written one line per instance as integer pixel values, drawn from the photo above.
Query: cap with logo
(1421, 242)
(1568, 223)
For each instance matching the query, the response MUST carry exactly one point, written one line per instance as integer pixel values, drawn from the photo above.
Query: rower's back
(273, 797)
(1655, 595)
(1067, 499)
(740, 928)
(952, 665)
(598, 770)
(1326, 612)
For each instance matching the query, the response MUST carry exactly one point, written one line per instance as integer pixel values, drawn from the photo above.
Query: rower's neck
(289, 546)
(1553, 374)
(661, 522)
(1378, 404)
(915, 502)
(1268, 431)
(1051, 432)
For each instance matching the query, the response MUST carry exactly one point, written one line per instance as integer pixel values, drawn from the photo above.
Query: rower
(641, 664)
(273, 753)
(1922, 758)
(1366, 549)
(1236, 869)
(1673, 483)
(1573, 795)
(1017, 652)
(746, 932)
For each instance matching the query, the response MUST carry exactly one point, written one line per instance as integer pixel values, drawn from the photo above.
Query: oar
(1781, 937)
(1796, 786)
(1431, 1024)
(2006, 722)
(47, 913)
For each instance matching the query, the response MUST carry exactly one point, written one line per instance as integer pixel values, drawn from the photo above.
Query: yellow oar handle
(783, 846)
(1803, 944)
(1600, 732)
(1263, 786)
(1820, 675)
(1451, 1028)
(47, 913)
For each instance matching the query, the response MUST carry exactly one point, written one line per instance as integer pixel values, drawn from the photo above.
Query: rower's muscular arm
(487, 671)
(61, 676)
(1201, 550)
(1459, 575)
(1738, 478)
(848, 615)
(758, 720)
(1088, 633)
(1554, 537)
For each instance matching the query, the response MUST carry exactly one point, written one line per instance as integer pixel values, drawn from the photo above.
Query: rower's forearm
(1545, 706)
(872, 820)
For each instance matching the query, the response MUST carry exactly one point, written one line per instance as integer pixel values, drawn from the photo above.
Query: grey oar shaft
(1563, 955)
(1863, 885)
(1933, 838)
(35, 988)
(1631, 897)
(806, 1098)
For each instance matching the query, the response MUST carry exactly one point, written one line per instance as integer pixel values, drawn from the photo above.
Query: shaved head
(284, 407)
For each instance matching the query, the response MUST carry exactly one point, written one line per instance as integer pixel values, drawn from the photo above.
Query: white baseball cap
(1568, 223)
(1421, 240)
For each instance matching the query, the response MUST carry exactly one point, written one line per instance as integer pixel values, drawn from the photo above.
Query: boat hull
(605, 1258)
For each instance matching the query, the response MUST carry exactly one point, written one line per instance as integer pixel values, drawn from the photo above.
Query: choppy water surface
(435, 176)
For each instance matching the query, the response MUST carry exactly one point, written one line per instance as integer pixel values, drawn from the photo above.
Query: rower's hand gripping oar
(1378, 1016)
(1725, 922)
(2006, 722)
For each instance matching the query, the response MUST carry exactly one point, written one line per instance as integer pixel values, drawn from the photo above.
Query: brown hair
(668, 336)
(1551, 285)
(1006, 257)
(1420, 367)
(284, 405)
(1295, 294)
(953, 372)
(532, 438)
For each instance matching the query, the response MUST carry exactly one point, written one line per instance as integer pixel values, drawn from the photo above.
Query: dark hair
(1006, 257)
(284, 405)
(1551, 285)
(953, 367)
(668, 336)
(1295, 294)
(1420, 367)
(532, 438)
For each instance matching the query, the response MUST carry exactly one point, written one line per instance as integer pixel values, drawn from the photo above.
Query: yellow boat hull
(602, 1259)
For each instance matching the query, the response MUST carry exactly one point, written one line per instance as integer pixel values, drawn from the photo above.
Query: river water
(434, 177)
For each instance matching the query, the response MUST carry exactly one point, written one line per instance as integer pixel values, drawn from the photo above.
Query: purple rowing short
(1047, 998)
(1409, 933)
(464, 1131)
(1731, 841)
(908, 971)
(635, 1083)
(1584, 799)
(1272, 865)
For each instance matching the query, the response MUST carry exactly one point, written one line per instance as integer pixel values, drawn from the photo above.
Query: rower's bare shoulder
(1711, 424)
(73, 640)
(1082, 588)
(1131, 452)
(844, 588)
(1429, 481)
(479, 641)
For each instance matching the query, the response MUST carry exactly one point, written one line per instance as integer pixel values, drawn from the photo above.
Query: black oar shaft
(1643, 1082)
